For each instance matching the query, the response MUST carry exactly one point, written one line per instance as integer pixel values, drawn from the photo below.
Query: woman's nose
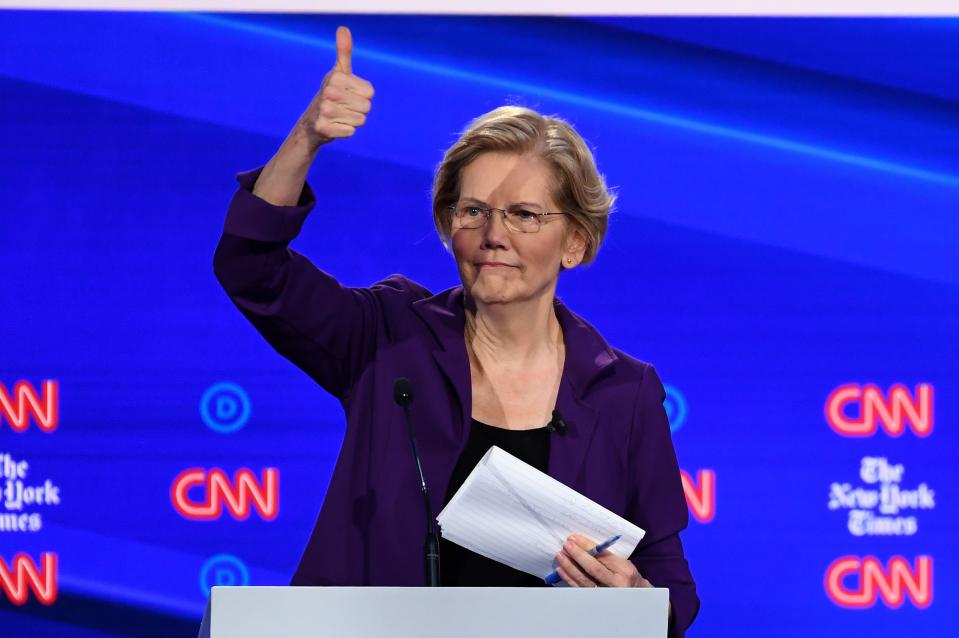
(494, 230)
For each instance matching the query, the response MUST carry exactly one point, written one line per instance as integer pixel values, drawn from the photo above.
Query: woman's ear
(574, 247)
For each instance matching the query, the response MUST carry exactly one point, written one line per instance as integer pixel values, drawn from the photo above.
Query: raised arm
(323, 327)
(336, 111)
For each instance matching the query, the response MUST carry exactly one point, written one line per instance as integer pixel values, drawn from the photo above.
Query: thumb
(344, 49)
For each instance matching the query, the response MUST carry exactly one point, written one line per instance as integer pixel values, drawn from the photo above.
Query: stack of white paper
(511, 512)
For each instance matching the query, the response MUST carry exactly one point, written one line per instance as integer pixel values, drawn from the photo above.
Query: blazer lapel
(568, 449)
(443, 313)
(588, 359)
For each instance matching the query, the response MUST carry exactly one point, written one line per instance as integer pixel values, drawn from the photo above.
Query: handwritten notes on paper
(511, 512)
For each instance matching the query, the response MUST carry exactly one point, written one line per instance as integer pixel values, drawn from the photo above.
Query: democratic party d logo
(225, 407)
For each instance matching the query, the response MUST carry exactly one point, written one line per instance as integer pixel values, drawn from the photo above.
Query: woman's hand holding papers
(606, 569)
(579, 569)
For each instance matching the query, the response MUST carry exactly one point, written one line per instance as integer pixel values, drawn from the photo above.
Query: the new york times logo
(19, 496)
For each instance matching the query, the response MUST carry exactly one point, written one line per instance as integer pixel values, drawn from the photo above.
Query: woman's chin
(484, 293)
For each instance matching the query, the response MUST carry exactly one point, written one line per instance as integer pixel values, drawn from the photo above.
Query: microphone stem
(431, 548)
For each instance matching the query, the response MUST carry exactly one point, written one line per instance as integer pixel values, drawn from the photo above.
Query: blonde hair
(578, 188)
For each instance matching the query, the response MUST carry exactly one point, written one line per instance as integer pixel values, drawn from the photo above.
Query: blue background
(787, 222)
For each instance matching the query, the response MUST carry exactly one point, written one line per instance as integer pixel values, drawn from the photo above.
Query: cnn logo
(240, 496)
(857, 583)
(700, 494)
(22, 576)
(857, 411)
(17, 407)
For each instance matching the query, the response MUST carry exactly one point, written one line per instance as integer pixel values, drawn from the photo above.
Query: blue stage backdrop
(787, 229)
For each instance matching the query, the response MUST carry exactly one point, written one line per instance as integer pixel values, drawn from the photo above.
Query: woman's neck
(514, 333)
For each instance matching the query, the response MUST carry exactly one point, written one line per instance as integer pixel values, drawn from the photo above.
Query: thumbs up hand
(341, 105)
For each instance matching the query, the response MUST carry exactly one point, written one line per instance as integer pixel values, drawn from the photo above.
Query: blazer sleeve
(328, 330)
(658, 505)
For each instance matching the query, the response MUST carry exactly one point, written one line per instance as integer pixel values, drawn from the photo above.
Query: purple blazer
(355, 342)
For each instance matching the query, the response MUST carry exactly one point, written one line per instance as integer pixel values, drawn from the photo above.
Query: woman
(517, 200)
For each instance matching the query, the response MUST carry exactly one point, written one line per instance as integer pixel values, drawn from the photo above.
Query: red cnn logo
(24, 403)
(892, 583)
(875, 409)
(217, 490)
(23, 574)
(701, 500)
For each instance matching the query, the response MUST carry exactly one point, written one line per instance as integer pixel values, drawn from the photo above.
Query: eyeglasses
(517, 220)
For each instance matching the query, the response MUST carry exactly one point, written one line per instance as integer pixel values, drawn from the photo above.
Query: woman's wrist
(281, 181)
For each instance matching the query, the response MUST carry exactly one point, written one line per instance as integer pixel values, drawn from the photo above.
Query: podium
(435, 612)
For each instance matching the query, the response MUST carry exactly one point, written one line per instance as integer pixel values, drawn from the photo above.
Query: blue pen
(554, 577)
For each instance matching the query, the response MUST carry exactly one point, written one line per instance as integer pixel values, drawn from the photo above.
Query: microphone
(403, 395)
(403, 391)
(557, 424)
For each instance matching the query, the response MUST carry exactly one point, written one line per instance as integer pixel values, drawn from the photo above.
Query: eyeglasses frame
(488, 210)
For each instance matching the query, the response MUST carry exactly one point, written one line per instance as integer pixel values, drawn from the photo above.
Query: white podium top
(441, 612)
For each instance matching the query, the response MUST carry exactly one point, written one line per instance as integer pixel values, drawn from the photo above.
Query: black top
(459, 566)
